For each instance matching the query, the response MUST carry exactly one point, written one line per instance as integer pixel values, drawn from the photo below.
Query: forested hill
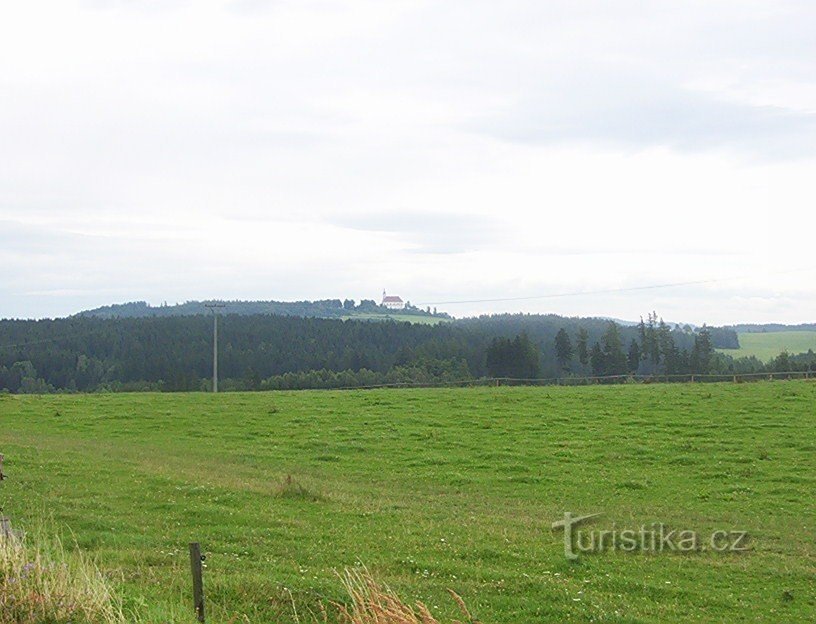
(325, 308)
(270, 351)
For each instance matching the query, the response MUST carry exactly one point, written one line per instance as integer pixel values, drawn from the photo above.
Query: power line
(606, 291)
(495, 300)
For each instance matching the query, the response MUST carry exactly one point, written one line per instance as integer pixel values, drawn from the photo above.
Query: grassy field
(431, 489)
(766, 346)
(404, 318)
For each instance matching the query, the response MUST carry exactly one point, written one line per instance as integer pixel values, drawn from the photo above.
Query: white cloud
(462, 150)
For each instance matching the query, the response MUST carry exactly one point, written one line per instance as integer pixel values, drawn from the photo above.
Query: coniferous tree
(700, 360)
(650, 345)
(563, 348)
(634, 356)
(528, 365)
(615, 362)
(669, 353)
(498, 357)
(517, 358)
(596, 358)
(582, 346)
(642, 336)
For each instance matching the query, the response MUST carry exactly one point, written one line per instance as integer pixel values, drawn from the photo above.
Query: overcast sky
(167, 150)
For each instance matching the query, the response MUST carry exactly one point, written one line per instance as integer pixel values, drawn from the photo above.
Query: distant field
(407, 318)
(431, 489)
(766, 346)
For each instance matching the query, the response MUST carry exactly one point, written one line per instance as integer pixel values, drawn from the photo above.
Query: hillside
(766, 345)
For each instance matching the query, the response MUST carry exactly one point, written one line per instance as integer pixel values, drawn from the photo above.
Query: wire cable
(606, 291)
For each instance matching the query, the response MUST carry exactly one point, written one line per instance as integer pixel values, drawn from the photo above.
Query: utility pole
(214, 307)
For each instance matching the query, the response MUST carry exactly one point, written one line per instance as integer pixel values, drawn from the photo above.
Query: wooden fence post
(198, 580)
(5, 528)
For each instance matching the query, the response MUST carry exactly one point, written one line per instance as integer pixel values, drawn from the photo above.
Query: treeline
(174, 353)
(755, 328)
(655, 349)
(324, 308)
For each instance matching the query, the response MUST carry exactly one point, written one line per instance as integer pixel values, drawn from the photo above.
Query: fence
(593, 380)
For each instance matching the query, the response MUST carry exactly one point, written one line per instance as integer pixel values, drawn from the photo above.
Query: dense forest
(263, 351)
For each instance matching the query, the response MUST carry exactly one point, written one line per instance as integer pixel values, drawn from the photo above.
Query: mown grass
(766, 346)
(431, 489)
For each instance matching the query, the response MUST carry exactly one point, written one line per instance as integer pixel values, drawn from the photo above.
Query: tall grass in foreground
(373, 603)
(41, 582)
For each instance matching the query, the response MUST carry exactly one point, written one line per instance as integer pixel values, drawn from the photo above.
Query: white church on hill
(392, 302)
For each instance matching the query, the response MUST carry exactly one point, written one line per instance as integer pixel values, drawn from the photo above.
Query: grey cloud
(635, 112)
(431, 232)
(270, 111)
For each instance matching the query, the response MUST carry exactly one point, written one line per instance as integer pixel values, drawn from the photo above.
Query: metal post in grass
(196, 559)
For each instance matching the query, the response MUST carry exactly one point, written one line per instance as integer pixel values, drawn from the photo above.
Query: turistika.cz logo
(651, 538)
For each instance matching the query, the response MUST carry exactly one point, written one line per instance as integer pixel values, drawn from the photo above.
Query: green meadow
(397, 317)
(766, 346)
(430, 489)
